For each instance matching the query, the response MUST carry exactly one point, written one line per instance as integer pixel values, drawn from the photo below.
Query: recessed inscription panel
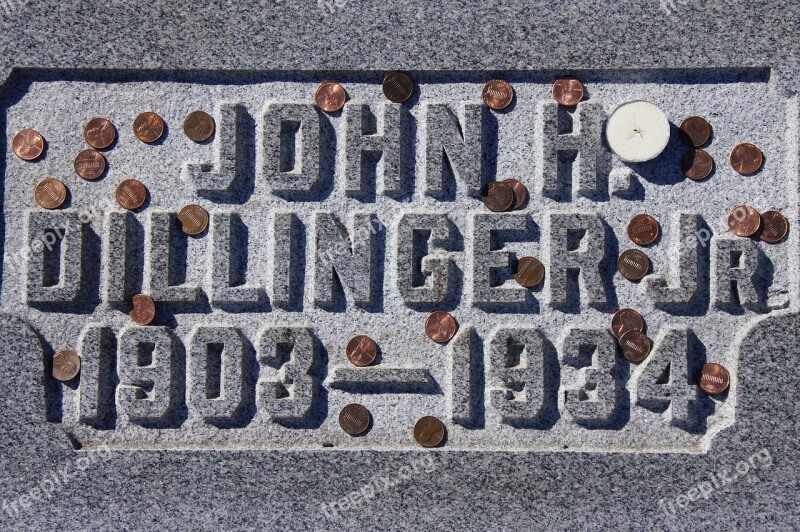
(324, 226)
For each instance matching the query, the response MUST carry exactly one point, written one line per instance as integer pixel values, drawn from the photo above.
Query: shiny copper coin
(520, 193)
(643, 229)
(354, 419)
(144, 309)
(497, 94)
(90, 164)
(635, 346)
(714, 378)
(697, 165)
(361, 350)
(626, 320)
(330, 96)
(199, 126)
(568, 91)
(498, 196)
(99, 133)
(50, 193)
(194, 219)
(66, 365)
(440, 326)
(746, 158)
(633, 264)
(131, 194)
(775, 227)
(398, 86)
(429, 431)
(695, 131)
(744, 221)
(28, 144)
(530, 272)
(148, 127)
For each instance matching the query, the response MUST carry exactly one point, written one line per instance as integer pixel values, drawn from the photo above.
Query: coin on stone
(90, 164)
(695, 131)
(28, 144)
(194, 219)
(746, 158)
(744, 220)
(397, 86)
(429, 431)
(50, 193)
(530, 272)
(497, 94)
(635, 346)
(626, 320)
(66, 365)
(643, 229)
(568, 91)
(131, 194)
(440, 326)
(361, 350)
(714, 378)
(498, 196)
(330, 96)
(633, 264)
(520, 193)
(697, 165)
(148, 127)
(199, 126)
(144, 309)
(354, 419)
(99, 133)
(775, 227)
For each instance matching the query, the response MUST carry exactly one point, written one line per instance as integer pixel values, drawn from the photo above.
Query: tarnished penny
(746, 158)
(568, 91)
(354, 419)
(497, 94)
(398, 86)
(194, 219)
(28, 144)
(199, 126)
(429, 431)
(440, 326)
(131, 194)
(697, 165)
(643, 229)
(66, 365)
(330, 96)
(744, 221)
(775, 227)
(635, 346)
(633, 264)
(520, 193)
(361, 350)
(148, 127)
(626, 320)
(695, 131)
(144, 309)
(530, 272)
(498, 196)
(714, 378)
(50, 193)
(90, 164)
(99, 133)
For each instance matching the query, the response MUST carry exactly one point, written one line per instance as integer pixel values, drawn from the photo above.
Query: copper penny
(633, 264)
(498, 196)
(697, 165)
(90, 164)
(397, 86)
(28, 144)
(714, 378)
(635, 346)
(194, 219)
(429, 431)
(354, 419)
(50, 193)
(440, 326)
(746, 158)
(695, 131)
(744, 221)
(330, 96)
(568, 91)
(361, 350)
(99, 133)
(775, 227)
(144, 309)
(66, 365)
(131, 194)
(643, 229)
(520, 193)
(148, 127)
(199, 126)
(626, 320)
(530, 272)
(497, 94)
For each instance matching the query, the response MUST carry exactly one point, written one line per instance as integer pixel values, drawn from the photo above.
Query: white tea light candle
(637, 131)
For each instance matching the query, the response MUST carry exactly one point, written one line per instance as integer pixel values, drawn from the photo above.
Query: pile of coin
(627, 325)
(506, 195)
(745, 221)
